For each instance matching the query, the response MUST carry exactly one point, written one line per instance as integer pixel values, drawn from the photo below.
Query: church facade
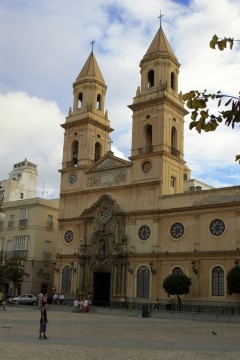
(125, 225)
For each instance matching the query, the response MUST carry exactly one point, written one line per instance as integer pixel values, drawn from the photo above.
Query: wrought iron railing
(217, 310)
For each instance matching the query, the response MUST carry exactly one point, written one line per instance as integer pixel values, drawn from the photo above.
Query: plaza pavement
(109, 336)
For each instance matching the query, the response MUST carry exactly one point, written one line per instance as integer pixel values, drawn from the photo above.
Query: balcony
(1, 225)
(17, 254)
(23, 223)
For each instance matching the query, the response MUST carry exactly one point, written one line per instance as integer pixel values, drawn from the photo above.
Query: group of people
(58, 299)
(81, 304)
(167, 304)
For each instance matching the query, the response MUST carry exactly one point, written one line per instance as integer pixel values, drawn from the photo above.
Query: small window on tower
(75, 153)
(99, 104)
(173, 81)
(150, 78)
(21, 195)
(80, 99)
(97, 152)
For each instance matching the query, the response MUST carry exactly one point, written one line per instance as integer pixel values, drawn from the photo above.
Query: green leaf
(204, 114)
(213, 42)
(189, 104)
(194, 115)
(237, 158)
(202, 104)
(185, 96)
(192, 125)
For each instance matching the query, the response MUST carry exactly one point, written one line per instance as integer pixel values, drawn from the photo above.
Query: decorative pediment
(108, 171)
(109, 161)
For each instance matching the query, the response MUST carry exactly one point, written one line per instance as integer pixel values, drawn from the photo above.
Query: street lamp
(2, 215)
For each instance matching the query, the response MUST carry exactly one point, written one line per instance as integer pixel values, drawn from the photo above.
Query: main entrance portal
(101, 288)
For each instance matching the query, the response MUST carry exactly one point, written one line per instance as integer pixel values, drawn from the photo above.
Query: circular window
(146, 166)
(177, 230)
(144, 232)
(105, 215)
(69, 236)
(217, 227)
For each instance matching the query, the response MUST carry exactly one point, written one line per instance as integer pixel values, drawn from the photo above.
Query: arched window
(75, 152)
(143, 282)
(97, 151)
(177, 271)
(80, 99)
(151, 78)
(66, 279)
(174, 150)
(173, 81)
(217, 281)
(99, 102)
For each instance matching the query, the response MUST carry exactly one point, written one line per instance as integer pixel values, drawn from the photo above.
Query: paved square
(95, 336)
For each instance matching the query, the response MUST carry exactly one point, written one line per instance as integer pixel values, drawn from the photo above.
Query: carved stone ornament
(107, 178)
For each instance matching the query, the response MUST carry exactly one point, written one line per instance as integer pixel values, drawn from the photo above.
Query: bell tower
(158, 119)
(87, 126)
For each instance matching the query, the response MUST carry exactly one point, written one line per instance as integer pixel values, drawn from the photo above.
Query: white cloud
(31, 129)
(45, 44)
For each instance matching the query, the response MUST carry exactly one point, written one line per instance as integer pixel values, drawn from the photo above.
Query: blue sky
(45, 43)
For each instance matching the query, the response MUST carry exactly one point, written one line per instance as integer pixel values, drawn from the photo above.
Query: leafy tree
(13, 270)
(177, 284)
(197, 101)
(233, 280)
(2, 273)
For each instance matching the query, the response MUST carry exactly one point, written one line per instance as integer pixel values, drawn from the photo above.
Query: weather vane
(92, 43)
(160, 18)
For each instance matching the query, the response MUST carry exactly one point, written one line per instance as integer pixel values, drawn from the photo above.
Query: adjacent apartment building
(29, 231)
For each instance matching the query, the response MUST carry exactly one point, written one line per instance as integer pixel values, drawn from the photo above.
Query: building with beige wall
(29, 233)
(124, 225)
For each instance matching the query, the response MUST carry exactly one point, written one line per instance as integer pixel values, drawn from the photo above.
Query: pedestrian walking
(43, 322)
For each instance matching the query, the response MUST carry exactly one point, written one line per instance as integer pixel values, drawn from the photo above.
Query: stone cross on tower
(160, 18)
(92, 43)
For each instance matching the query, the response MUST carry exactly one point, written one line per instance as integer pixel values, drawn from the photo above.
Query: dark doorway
(101, 289)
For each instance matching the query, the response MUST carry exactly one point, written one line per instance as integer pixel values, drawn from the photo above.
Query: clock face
(72, 178)
(106, 215)
(68, 237)
(217, 227)
(177, 230)
(144, 232)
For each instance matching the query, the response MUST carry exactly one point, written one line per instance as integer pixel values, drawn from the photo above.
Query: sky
(45, 43)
